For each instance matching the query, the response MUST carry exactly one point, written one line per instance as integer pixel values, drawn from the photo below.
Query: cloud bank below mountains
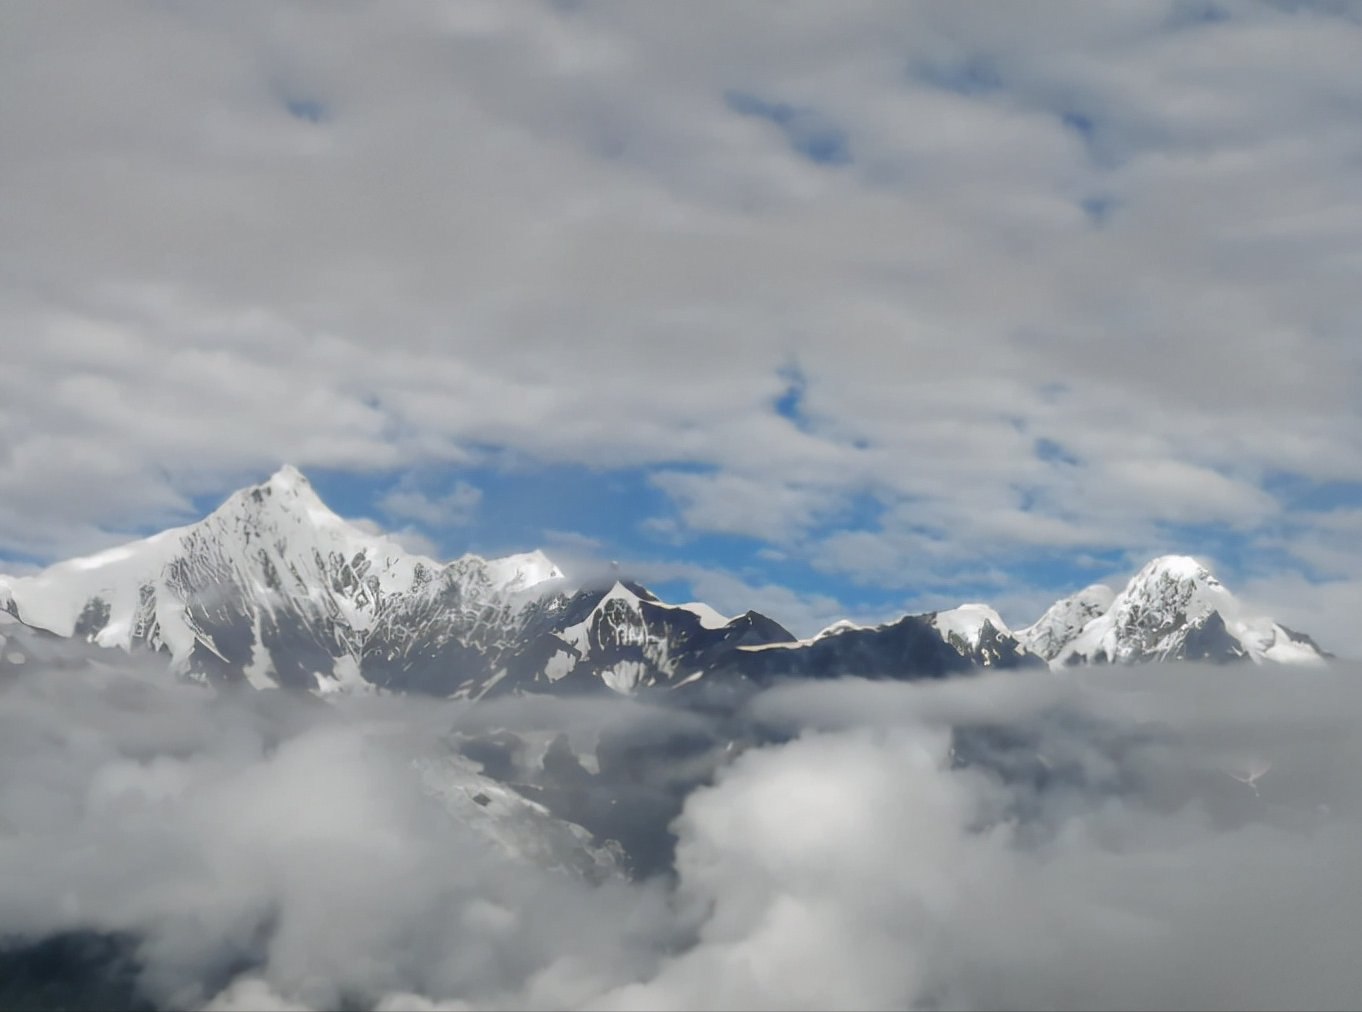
(1023, 285)
(1158, 837)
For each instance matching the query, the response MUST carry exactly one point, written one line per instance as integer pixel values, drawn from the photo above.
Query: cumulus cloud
(600, 235)
(1173, 837)
(1047, 842)
(280, 842)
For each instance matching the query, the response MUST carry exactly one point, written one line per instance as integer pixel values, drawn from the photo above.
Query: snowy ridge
(632, 639)
(1174, 609)
(1065, 619)
(271, 563)
(274, 589)
(969, 622)
(842, 625)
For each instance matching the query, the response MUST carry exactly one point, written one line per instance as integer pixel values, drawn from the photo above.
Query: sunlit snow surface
(270, 550)
(1150, 618)
(968, 621)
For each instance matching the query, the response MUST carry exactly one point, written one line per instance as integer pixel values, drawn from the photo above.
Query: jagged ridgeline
(274, 589)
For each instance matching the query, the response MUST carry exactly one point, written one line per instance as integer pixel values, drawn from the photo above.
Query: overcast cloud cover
(921, 298)
(1164, 838)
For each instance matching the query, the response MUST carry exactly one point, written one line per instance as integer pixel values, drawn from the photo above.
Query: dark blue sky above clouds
(826, 310)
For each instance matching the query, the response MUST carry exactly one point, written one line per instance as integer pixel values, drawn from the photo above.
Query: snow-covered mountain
(1065, 619)
(1172, 609)
(914, 646)
(274, 589)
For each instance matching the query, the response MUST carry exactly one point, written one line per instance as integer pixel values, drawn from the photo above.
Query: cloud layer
(1154, 837)
(1050, 283)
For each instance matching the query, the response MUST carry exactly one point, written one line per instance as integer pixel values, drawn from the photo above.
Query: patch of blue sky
(309, 110)
(1301, 493)
(11, 557)
(1196, 13)
(1027, 497)
(1099, 208)
(520, 504)
(808, 132)
(1106, 143)
(1346, 9)
(1080, 123)
(1053, 453)
(970, 77)
(1054, 391)
(790, 404)
(1064, 571)
(1237, 554)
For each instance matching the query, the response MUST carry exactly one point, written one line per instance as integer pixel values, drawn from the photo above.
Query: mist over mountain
(1162, 836)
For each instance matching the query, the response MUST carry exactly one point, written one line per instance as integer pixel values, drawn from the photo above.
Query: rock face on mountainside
(274, 589)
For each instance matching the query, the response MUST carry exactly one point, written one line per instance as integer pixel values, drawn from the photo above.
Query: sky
(824, 310)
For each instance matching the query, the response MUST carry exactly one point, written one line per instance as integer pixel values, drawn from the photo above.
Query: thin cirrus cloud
(1057, 282)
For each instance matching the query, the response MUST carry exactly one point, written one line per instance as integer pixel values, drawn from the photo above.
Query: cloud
(1085, 839)
(573, 540)
(1099, 850)
(767, 508)
(549, 230)
(288, 843)
(407, 538)
(455, 508)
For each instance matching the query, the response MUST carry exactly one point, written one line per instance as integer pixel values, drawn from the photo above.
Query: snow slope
(272, 566)
(1172, 609)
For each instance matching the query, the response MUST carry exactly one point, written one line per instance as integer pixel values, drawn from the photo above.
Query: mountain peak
(286, 492)
(1065, 619)
(1173, 608)
(968, 622)
(1175, 567)
(289, 481)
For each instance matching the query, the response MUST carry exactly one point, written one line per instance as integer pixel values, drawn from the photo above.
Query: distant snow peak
(1064, 619)
(1172, 609)
(287, 492)
(969, 622)
(274, 587)
(842, 625)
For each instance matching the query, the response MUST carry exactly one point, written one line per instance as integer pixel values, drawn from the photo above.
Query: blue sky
(825, 310)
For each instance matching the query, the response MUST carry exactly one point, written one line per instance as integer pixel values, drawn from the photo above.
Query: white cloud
(573, 540)
(455, 508)
(544, 229)
(1039, 840)
(408, 538)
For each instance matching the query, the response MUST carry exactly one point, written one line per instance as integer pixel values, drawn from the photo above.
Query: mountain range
(273, 589)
